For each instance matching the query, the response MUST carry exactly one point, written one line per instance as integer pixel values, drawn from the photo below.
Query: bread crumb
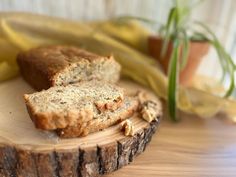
(127, 127)
(150, 111)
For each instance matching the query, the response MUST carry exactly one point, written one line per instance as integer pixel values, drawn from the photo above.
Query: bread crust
(41, 66)
(94, 125)
(52, 121)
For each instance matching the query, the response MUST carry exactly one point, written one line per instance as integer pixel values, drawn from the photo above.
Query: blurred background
(219, 15)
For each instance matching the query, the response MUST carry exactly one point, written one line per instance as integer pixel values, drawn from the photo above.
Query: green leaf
(231, 70)
(162, 30)
(227, 63)
(196, 36)
(223, 62)
(167, 36)
(185, 50)
(173, 81)
(231, 86)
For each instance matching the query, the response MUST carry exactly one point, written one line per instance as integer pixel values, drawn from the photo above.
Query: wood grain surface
(191, 148)
(28, 152)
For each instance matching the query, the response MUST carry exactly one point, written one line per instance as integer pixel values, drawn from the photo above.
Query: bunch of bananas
(127, 41)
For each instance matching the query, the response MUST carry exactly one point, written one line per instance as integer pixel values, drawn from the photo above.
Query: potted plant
(180, 47)
(192, 45)
(191, 51)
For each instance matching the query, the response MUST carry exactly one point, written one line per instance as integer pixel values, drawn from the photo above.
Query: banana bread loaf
(45, 67)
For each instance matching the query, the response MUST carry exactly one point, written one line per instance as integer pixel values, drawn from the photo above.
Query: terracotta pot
(197, 50)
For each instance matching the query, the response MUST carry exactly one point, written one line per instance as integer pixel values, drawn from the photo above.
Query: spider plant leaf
(223, 62)
(231, 70)
(196, 36)
(229, 64)
(167, 36)
(182, 14)
(184, 9)
(184, 50)
(227, 56)
(172, 81)
(231, 86)
(207, 29)
(161, 30)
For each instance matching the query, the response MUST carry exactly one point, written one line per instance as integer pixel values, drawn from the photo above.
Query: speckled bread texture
(63, 106)
(101, 121)
(45, 67)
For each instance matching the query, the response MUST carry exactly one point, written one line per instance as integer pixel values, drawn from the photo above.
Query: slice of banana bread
(62, 106)
(45, 67)
(101, 121)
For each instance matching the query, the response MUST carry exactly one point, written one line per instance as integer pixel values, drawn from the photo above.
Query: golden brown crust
(94, 125)
(101, 106)
(40, 66)
(52, 121)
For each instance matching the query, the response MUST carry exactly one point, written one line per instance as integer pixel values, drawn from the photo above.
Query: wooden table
(191, 148)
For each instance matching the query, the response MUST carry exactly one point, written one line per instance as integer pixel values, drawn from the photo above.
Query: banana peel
(25, 31)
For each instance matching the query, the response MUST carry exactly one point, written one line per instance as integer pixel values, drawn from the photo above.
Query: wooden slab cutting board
(28, 152)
